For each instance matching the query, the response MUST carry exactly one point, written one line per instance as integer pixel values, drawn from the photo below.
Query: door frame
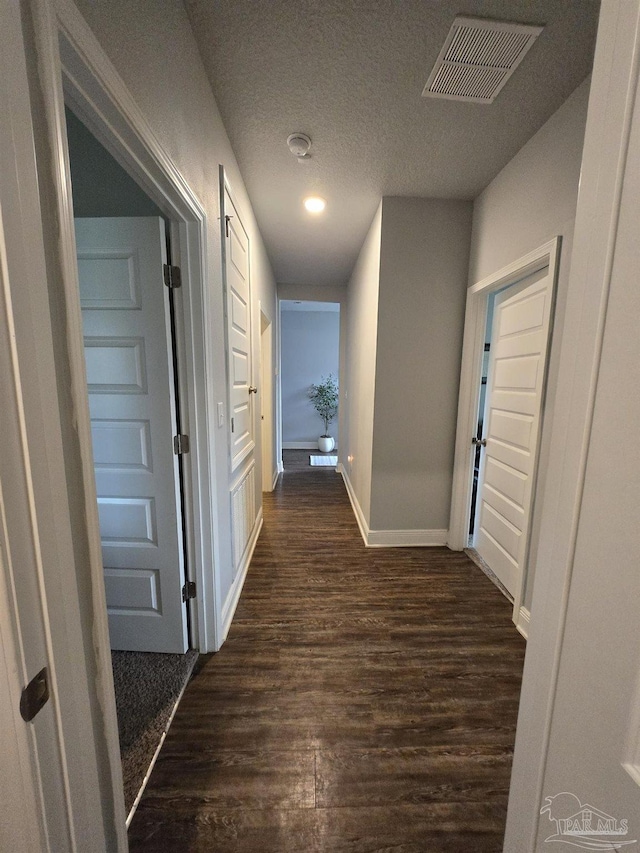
(469, 396)
(247, 464)
(89, 84)
(265, 393)
(612, 117)
(71, 771)
(312, 293)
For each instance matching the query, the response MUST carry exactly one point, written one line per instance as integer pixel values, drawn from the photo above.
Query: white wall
(310, 344)
(362, 335)
(530, 201)
(151, 44)
(423, 278)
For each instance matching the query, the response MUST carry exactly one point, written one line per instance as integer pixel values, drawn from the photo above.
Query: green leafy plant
(324, 397)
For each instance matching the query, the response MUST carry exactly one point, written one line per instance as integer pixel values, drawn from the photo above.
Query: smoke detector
(477, 59)
(299, 145)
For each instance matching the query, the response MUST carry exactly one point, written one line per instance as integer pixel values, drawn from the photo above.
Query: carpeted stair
(147, 687)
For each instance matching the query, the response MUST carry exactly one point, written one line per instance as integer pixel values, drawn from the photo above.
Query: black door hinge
(35, 695)
(189, 590)
(172, 276)
(180, 444)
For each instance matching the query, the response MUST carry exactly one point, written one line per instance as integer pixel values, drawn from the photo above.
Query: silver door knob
(252, 389)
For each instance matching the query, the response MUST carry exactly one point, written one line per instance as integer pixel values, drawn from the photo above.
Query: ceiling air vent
(477, 59)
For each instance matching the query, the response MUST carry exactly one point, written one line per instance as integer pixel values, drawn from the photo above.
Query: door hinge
(180, 444)
(189, 590)
(35, 695)
(226, 224)
(233, 425)
(172, 276)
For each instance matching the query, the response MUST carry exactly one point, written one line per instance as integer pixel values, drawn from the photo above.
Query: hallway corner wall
(362, 334)
(423, 275)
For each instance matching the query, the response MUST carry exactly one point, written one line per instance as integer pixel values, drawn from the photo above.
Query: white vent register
(477, 59)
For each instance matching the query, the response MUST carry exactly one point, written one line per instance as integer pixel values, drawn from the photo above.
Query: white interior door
(127, 338)
(515, 386)
(238, 306)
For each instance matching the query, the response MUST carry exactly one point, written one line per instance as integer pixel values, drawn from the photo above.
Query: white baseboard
(357, 509)
(299, 445)
(390, 538)
(274, 481)
(229, 607)
(302, 445)
(280, 467)
(524, 619)
(407, 538)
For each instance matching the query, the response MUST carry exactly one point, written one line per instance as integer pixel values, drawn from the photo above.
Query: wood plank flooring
(364, 701)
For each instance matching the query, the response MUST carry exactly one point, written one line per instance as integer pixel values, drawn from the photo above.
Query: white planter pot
(326, 443)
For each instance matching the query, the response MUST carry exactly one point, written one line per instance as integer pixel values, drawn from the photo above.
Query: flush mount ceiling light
(315, 204)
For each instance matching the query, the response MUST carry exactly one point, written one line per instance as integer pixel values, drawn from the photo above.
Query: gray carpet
(147, 687)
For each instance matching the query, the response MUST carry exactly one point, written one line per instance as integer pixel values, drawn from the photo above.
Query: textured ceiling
(350, 73)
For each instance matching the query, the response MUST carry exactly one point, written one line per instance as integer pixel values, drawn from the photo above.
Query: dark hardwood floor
(365, 699)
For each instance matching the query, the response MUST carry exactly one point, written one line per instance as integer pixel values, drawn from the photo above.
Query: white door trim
(614, 85)
(99, 96)
(79, 765)
(470, 375)
(32, 770)
(265, 392)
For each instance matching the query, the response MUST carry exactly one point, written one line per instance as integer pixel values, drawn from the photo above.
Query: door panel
(244, 503)
(515, 386)
(507, 509)
(238, 296)
(132, 404)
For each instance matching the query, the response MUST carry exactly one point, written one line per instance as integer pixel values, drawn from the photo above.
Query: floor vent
(477, 59)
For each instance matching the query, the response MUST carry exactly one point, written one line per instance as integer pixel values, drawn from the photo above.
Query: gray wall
(423, 278)
(534, 197)
(532, 200)
(310, 346)
(101, 187)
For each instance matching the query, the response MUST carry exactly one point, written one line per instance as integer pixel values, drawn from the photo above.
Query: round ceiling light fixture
(299, 145)
(315, 204)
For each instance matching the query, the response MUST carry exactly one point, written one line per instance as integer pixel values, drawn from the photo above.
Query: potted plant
(324, 397)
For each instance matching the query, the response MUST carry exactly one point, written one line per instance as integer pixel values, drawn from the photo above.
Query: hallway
(365, 699)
